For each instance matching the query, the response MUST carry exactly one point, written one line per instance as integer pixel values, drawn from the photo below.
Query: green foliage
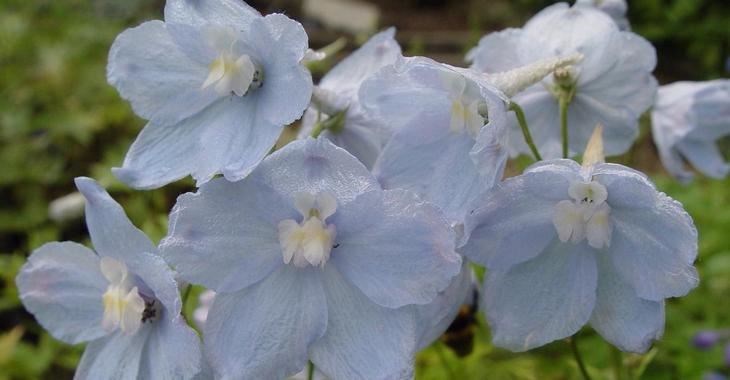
(59, 119)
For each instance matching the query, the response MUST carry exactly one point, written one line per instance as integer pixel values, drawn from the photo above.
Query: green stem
(618, 363)
(444, 360)
(522, 121)
(318, 128)
(578, 357)
(310, 371)
(563, 102)
(186, 294)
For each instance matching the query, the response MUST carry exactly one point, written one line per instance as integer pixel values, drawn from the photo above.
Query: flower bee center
(230, 72)
(586, 216)
(310, 241)
(124, 307)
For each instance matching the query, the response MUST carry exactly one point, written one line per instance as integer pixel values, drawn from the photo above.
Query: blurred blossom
(311, 260)
(122, 299)
(217, 81)
(67, 207)
(705, 339)
(359, 133)
(611, 86)
(615, 8)
(727, 355)
(687, 120)
(205, 301)
(714, 376)
(567, 245)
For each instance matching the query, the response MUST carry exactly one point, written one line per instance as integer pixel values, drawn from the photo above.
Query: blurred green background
(60, 119)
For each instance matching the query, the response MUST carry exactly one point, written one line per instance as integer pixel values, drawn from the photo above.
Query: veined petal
(172, 351)
(151, 71)
(235, 13)
(397, 249)
(62, 286)
(117, 356)
(544, 299)
(363, 341)
(621, 317)
(264, 332)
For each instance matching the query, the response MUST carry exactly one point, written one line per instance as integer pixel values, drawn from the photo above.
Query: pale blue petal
(172, 351)
(225, 236)
(280, 43)
(621, 317)
(117, 356)
(434, 318)
(111, 231)
(627, 188)
(229, 137)
(161, 82)
(235, 13)
(542, 300)
(513, 222)
(653, 248)
(620, 124)
(346, 77)
(264, 332)
(705, 156)
(502, 51)
(62, 286)
(394, 247)
(363, 340)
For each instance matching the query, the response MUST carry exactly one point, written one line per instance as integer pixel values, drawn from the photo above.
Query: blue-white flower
(311, 259)
(448, 132)
(122, 299)
(336, 96)
(615, 8)
(687, 120)
(611, 86)
(217, 82)
(567, 245)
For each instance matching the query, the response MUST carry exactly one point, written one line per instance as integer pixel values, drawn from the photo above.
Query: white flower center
(309, 242)
(123, 306)
(229, 72)
(467, 114)
(586, 216)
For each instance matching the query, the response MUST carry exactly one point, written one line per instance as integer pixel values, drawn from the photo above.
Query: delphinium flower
(708, 339)
(335, 101)
(615, 8)
(122, 299)
(612, 85)
(217, 82)
(687, 120)
(567, 245)
(311, 259)
(448, 132)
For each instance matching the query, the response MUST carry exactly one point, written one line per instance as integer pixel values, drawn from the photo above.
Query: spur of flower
(568, 245)
(311, 260)
(687, 120)
(612, 85)
(217, 81)
(336, 109)
(121, 298)
(448, 132)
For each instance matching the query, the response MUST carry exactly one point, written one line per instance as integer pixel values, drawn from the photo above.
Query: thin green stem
(310, 371)
(618, 363)
(578, 357)
(444, 360)
(563, 103)
(318, 128)
(186, 294)
(522, 121)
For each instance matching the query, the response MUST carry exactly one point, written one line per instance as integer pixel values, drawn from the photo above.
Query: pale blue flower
(337, 92)
(217, 82)
(122, 299)
(687, 120)
(448, 132)
(612, 84)
(311, 259)
(567, 245)
(615, 8)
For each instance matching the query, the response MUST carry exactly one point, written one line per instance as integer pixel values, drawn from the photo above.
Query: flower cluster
(351, 248)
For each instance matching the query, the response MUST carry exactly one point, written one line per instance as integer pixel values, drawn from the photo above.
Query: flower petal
(395, 248)
(62, 286)
(172, 351)
(150, 70)
(117, 356)
(363, 340)
(264, 332)
(111, 231)
(501, 51)
(238, 245)
(547, 298)
(235, 13)
(621, 317)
